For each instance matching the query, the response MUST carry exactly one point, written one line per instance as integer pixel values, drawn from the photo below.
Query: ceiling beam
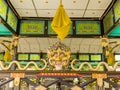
(35, 72)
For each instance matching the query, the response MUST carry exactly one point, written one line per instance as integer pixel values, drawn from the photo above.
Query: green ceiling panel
(4, 30)
(115, 31)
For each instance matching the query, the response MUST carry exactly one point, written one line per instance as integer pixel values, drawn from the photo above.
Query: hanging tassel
(61, 22)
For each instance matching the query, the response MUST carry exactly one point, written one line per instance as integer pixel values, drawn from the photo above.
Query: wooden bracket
(17, 77)
(99, 77)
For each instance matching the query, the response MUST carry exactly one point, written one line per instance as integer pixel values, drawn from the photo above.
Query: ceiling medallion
(58, 55)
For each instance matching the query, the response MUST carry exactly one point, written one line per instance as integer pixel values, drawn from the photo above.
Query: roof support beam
(6, 81)
(115, 85)
(29, 82)
(86, 83)
(51, 82)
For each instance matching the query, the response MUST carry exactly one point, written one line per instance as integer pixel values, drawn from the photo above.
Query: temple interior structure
(59, 44)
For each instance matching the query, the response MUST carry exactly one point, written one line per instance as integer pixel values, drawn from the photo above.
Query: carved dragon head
(59, 55)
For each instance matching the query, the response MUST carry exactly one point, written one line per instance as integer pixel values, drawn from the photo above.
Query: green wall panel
(84, 57)
(51, 31)
(3, 9)
(95, 57)
(117, 10)
(87, 27)
(12, 20)
(23, 56)
(108, 21)
(73, 56)
(34, 56)
(32, 27)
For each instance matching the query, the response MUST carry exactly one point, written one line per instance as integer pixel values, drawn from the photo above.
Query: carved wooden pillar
(14, 50)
